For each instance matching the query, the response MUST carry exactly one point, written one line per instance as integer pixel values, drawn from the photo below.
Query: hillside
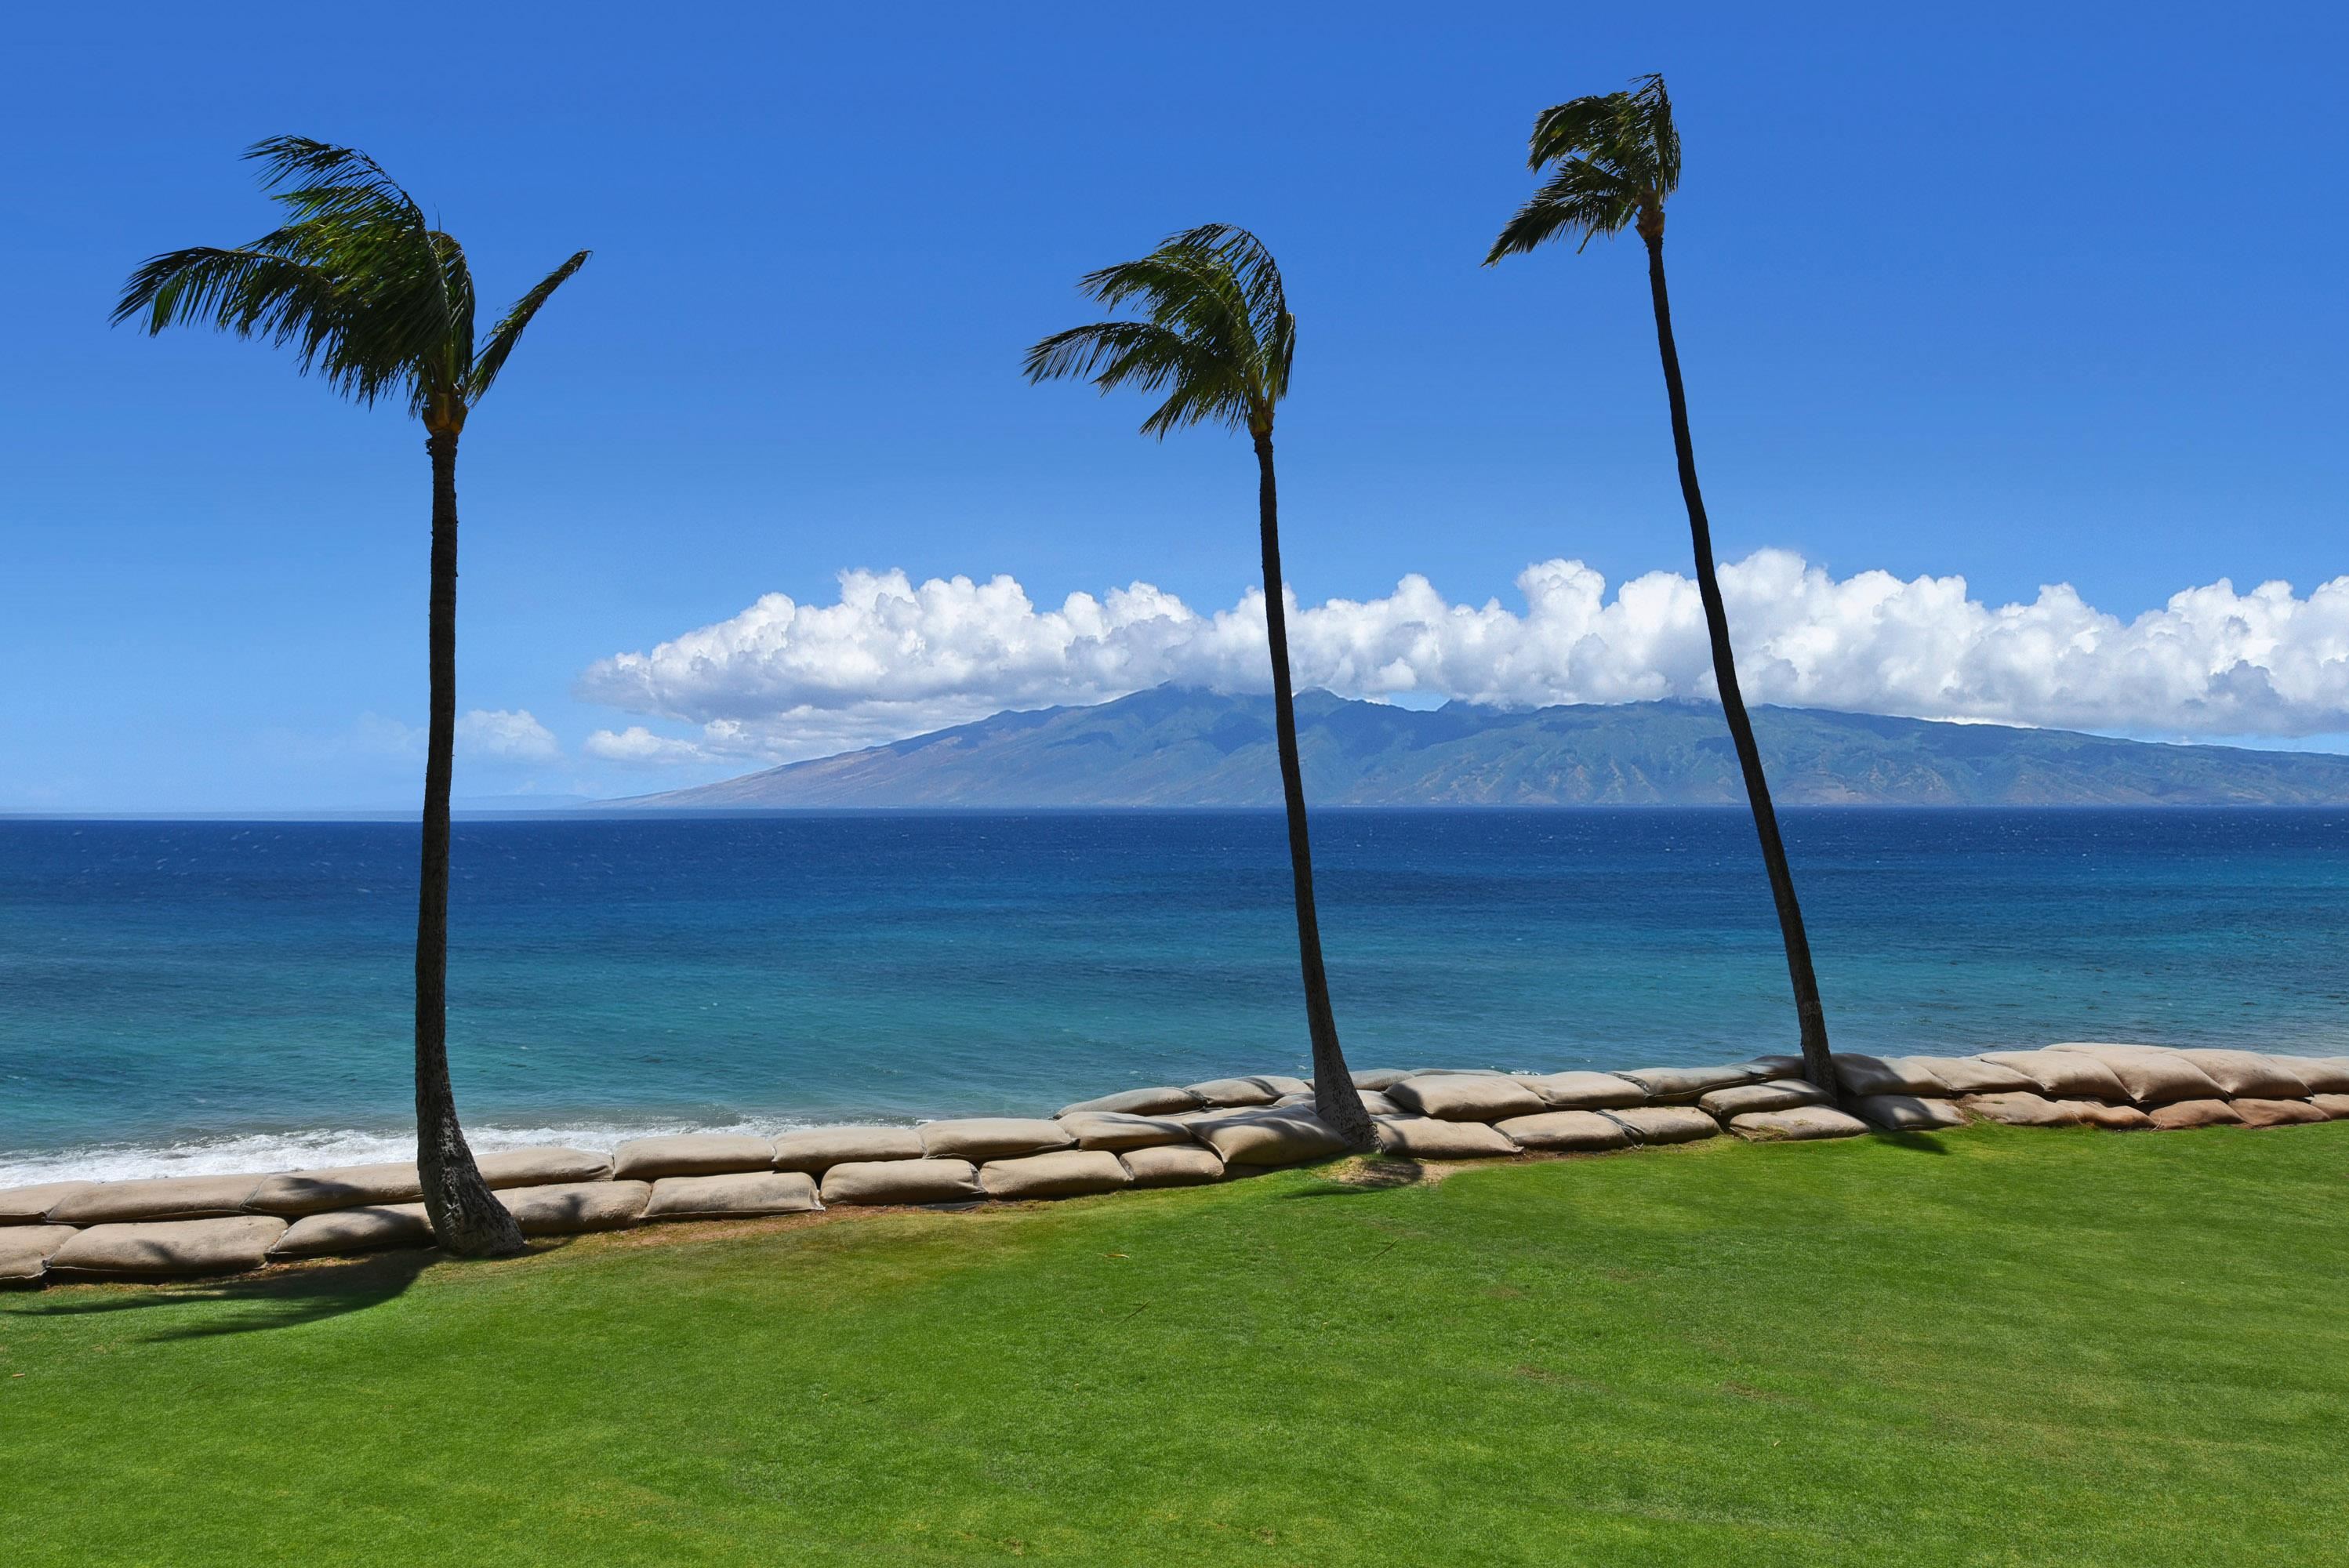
(1177, 747)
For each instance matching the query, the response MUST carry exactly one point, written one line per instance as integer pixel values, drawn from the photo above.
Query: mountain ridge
(1186, 747)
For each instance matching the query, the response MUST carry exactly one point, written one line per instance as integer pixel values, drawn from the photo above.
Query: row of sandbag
(1142, 1138)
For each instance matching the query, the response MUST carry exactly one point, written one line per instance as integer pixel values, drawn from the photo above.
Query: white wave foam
(262, 1153)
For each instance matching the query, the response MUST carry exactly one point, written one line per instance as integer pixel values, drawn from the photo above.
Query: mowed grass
(1990, 1346)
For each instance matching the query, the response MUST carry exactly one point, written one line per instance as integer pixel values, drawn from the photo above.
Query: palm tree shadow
(1921, 1142)
(1356, 1177)
(259, 1303)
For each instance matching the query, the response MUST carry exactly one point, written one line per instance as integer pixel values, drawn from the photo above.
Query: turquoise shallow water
(200, 996)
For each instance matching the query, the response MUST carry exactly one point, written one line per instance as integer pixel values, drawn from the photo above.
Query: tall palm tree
(378, 303)
(1216, 338)
(1613, 159)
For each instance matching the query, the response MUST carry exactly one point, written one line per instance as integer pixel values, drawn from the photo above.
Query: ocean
(178, 997)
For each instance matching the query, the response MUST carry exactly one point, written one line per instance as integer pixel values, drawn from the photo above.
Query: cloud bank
(890, 658)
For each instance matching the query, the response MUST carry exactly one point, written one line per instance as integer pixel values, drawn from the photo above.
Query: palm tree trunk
(465, 1216)
(1819, 1066)
(1335, 1099)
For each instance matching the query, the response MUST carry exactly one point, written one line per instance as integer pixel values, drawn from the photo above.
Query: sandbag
(1466, 1096)
(2336, 1106)
(2278, 1113)
(299, 1192)
(1117, 1131)
(2322, 1074)
(1137, 1102)
(1063, 1173)
(1668, 1086)
(1560, 1131)
(2193, 1113)
(1269, 1138)
(341, 1232)
(1971, 1075)
(992, 1138)
(732, 1194)
(1432, 1138)
(31, 1205)
(25, 1249)
(165, 1198)
(1284, 1084)
(2247, 1075)
(1380, 1078)
(2151, 1074)
(1585, 1090)
(1908, 1112)
(1172, 1165)
(546, 1165)
(1232, 1091)
(2064, 1074)
(1865, 1075)
(1778, 1094)
(1802, 1125)
(818, 1149)
(1663, 1123)
(871, 1182)
(691, 1154)
(2018, 1109)
(569, 1208)
(1774, 1066)
(2111, 1118)
(168, 1249)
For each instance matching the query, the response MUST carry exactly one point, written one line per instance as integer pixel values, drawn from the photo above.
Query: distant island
(1186, 747)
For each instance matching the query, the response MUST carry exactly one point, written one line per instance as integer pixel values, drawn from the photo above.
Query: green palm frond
(1113, 354)
(1218, 337)
(509, 330)
(357, 282)
(335, 184)
(1612, 156)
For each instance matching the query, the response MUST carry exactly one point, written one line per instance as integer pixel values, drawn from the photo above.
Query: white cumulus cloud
(640, 747)
(892, 658)
(505, 734)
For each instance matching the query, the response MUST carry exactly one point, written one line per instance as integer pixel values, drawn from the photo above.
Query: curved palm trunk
(1817, 1065)
(1335, 1099)
(465, 1216)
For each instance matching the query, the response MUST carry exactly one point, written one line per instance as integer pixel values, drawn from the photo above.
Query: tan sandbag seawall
(1162, 1136)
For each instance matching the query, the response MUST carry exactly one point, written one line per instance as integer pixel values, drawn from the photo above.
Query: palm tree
(1217, 339)
(1614, 157)
(378, 303)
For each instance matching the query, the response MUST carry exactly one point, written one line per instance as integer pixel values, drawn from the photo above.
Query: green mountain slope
(1177, 747)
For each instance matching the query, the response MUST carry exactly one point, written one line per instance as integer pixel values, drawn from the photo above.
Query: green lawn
(1998, 1346)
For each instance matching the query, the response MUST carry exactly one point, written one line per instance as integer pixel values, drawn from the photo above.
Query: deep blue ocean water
(214, 994)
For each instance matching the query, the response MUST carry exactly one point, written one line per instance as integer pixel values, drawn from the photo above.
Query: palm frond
(366, 291)
(509, 330)
(283, 300)
(1255, 278)
(1564, 129)
(337, 184)
(1216, 335)
(346, 202)
(452, 352)
(1582, 199)
(1612, 156)
(1148, 357)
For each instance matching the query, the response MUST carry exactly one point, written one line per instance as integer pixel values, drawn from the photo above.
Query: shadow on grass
(1354, 1176)
(285, 1299)
(1921, 1142)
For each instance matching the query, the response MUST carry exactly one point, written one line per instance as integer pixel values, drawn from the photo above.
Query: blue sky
(2028, 296)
